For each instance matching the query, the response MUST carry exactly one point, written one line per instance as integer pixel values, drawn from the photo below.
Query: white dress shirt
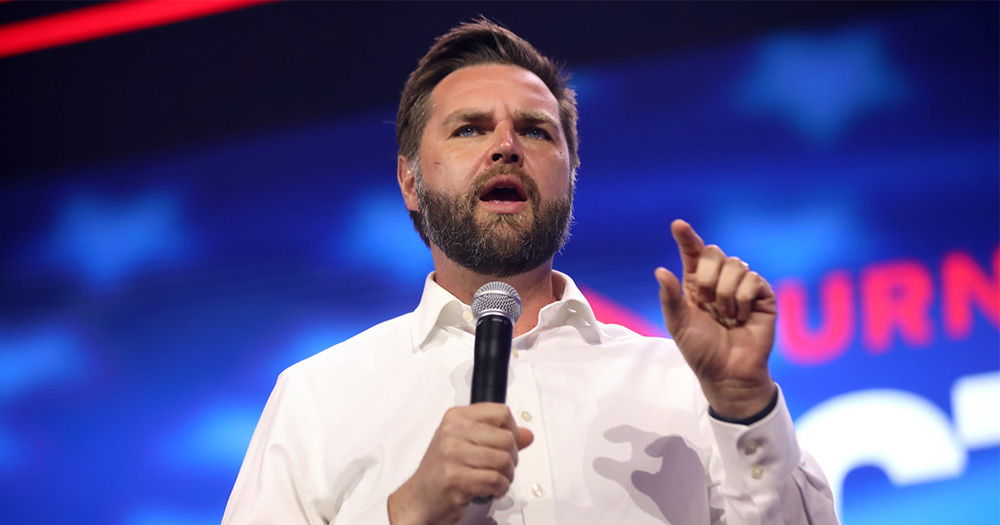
(622, 431)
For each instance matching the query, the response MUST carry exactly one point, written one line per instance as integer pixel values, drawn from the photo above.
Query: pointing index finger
(689, 244)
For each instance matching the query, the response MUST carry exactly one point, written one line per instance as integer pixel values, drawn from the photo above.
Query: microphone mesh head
(497, 298)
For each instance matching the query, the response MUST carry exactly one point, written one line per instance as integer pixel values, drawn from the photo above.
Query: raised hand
(473, 453)
(722, 317)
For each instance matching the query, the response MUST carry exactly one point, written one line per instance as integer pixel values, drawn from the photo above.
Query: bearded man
(600, 424)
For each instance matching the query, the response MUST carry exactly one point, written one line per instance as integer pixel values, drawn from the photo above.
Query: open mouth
(504, 189)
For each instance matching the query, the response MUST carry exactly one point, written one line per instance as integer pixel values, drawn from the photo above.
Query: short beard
(504, 245)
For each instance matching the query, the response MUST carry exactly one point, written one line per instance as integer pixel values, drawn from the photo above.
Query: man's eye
(537, 133)
(465, 131)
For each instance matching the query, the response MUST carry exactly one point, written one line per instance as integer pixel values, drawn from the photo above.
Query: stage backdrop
(150, 301)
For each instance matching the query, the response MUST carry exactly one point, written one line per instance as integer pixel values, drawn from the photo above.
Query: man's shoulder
(624, 341)
(619, 334)
(378, 343)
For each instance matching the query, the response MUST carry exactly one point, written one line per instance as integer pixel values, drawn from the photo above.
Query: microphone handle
(489, 370)
(492, 359)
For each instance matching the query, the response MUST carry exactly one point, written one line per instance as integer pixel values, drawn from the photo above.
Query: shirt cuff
(752, 419)
(761, 455)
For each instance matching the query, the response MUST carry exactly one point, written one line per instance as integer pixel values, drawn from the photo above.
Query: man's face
(493, 182)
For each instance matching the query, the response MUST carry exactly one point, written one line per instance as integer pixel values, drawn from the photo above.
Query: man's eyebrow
(467, 115)
(535, 117)
(475, 115)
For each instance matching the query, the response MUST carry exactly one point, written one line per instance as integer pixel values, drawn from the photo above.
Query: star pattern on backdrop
(105, 240)
(821, 85)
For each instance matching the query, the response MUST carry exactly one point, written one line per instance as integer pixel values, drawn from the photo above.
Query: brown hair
(474, 43)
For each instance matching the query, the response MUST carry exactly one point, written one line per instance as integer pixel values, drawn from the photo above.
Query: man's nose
(506, 147)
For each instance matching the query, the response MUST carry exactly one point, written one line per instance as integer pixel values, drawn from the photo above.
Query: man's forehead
(477, 89)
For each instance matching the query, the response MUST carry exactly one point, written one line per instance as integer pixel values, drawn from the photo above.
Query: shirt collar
(439, 309)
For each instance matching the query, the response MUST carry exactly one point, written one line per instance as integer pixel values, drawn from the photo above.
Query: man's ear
(407, 183)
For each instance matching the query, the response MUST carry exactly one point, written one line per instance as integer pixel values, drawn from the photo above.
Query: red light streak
(104, 20)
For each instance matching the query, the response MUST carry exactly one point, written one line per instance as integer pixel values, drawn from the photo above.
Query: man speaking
(600, 425)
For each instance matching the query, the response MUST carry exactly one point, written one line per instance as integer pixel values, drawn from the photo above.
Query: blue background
(151, 294)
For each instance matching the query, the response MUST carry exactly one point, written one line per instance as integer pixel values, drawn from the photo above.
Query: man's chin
(492, 221)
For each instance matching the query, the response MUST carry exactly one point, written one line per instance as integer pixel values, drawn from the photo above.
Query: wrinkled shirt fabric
(622, 430)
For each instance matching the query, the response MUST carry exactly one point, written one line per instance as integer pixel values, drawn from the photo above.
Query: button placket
(532, 480)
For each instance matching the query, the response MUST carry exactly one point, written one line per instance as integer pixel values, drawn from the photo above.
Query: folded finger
(730, 277)
(491, 459)
(706, 277)
(482, 482)
(751, 291)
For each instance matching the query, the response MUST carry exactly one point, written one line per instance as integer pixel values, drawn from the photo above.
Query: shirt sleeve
(765, 479)
(273, 484)
(294, 471)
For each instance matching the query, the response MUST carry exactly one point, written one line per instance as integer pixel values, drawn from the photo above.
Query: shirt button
(526, 416)
(757, 472)
(750, 447)
(515, 353)
(467, 315)
(536, 489)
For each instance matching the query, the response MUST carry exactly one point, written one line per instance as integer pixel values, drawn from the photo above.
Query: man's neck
(537, 287)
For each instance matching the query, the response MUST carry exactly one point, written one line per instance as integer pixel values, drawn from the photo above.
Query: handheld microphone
(496, 307)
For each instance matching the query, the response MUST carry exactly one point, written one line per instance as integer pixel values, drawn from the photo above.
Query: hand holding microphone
(472, 455)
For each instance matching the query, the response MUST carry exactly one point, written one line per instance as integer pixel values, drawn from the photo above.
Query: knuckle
(496, 478)
(449, 448)
(714, 251)
(502, 461)
(754, 282)
(509, 465)
(451, 418)
(499, 460)
(454, 423)
(499, 483)
(450, 474)
(457, 498)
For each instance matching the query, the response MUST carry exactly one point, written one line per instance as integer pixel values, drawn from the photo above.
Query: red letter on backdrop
(897, 296)
(963, 283)
(800, 343)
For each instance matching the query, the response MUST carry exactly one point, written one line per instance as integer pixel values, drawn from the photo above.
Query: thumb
(671, 300)
(524, 437)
